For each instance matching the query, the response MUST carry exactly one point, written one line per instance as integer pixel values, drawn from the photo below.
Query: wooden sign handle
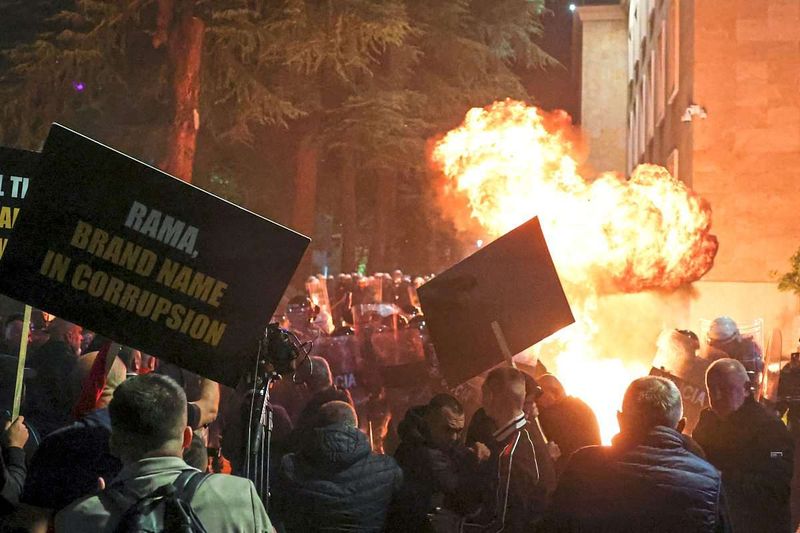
(23, 352)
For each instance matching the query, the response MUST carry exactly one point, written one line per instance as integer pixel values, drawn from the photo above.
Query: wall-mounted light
(692, 111)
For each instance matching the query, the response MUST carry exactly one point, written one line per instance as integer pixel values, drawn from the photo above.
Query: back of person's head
(503, 393)
(196, 454)
(148, 418)
(319, 376)
(336, 412)
(552, 390)
(649, 402)
(506, 380)
(82, 369)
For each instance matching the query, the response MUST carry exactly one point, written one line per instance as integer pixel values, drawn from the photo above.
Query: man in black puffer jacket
(647, 480)
(334, 483)
(438, 470)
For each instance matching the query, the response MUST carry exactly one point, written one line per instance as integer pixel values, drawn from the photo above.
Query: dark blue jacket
(651, 483)
(335, 484)
(69, 461)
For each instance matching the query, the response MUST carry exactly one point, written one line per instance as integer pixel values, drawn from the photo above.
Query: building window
(647, 108)
(631, 140)
(661, 73)
(672, 164)
(640, 126)
(673, 48)
(651, 100)
(634, 141)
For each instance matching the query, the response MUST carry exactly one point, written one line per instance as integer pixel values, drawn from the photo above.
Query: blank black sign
(511, 282)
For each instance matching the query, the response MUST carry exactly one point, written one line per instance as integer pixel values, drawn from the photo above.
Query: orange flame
(511, 162)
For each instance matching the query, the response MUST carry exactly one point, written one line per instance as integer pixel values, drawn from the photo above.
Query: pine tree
(349, 89)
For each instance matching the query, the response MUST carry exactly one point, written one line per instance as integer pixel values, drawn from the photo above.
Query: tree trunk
(305, 185)
(384, 220)
(348, 213)
(183, 34)
(305, 197)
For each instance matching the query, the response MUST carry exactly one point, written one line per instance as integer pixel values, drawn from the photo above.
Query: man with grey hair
(751, 447)
(647, 480)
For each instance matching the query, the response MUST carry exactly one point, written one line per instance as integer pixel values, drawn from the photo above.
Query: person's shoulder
(766, 422)
(586, 463)
(226, 489)
(592, 453)
(225, 500)
(84, 514)
(380, 463)
(227, 482)
(707, 418)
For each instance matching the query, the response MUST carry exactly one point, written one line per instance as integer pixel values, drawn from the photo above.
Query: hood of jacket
(336, 446)
(412, 429)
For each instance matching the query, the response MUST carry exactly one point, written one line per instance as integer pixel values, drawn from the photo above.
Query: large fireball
(509, 162)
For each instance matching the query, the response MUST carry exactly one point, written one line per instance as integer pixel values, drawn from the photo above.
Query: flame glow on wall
(608, 236)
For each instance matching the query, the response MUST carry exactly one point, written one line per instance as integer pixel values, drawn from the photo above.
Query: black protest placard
(146, 259)
(503, 298)
(16, 169)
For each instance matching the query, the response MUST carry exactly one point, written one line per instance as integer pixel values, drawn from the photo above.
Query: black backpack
(165, 510)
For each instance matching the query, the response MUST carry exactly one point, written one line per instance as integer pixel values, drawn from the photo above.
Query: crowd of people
(152, 447)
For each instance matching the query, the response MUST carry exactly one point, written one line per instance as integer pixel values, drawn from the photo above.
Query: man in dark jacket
(47, 404)
(69, 461)
(522, 474)
(646, 481)
(438, 471)
(335, 482)
(566, 420)
(751, 447)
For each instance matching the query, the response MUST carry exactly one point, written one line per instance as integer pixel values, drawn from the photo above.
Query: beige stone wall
(603, 79)
(746, 158)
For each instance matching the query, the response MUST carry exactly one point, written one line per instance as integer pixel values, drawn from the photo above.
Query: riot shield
(317, 289)
(773, 363)
(344, 357)
(368, 290)
(374, 316)
(677, 361)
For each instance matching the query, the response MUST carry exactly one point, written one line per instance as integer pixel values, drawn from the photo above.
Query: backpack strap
(185, 486)
(187, 483)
